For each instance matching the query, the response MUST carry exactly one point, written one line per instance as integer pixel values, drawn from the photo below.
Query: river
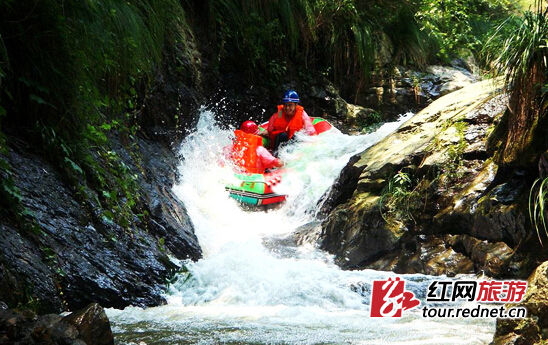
(254, 285)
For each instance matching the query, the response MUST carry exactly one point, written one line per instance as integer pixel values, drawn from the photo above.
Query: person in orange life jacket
(249, 152)
(289, 119)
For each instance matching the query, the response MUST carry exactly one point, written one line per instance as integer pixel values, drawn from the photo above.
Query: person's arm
(263, 132)
(308, 126)
(268, 161)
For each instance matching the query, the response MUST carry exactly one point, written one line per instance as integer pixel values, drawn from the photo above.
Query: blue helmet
(291, 96)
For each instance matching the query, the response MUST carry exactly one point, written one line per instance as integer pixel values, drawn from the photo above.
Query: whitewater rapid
(254, 285)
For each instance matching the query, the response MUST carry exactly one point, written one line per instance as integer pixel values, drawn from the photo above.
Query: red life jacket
(244, 151)
(281, 124)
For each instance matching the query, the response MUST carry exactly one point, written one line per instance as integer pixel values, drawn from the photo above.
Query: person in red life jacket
(289, 119)
(248, 151)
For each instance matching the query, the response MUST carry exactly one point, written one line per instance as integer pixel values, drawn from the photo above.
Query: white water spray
(244, 291)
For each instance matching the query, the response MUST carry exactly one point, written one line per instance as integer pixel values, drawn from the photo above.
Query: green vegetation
(519, 46)
(538, 197)
(459, 25)
(82, 60)
(400, 198)
(345, 38)
(405, 196)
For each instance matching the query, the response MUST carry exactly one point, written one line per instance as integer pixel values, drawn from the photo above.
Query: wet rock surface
(178, 91)
(534, 328)
(451, 212)
(307, 234)
(77, 256)
(89, 326)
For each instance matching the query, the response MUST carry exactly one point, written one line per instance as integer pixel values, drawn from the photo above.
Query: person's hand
(264, 133)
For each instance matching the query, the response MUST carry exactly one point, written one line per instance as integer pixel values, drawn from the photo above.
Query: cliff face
(430, 199)
(78, 256)
(87, 213)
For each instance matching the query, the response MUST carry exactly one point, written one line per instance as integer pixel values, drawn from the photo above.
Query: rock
(497, 216)
(79, 257)
(429, 256)
(176, 91)
(536, 298)
(529, 330)
(487, 113)
(361, 116)
(400, 90)
(489, 258)
(516, 332)
(92, 324)
(359, 234)
(434, 258)
(486, 210)
(14, 325)
(463, 65)
(360, 237)
(452, 86)
(327, 98)
(21, 262)
(447, 255)
(450, 79)
(385, 50)
(85, 327)
(343, 188)
(445, 73)
(289, 246)
(169, 218)
(308, 233)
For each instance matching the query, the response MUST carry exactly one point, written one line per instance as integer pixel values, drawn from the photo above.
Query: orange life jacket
(244, 151)
(281, 124)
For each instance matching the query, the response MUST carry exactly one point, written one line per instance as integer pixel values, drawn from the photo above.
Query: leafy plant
(522, 57)
(519, 44)
(538, 196)
(399, 198)
(460, 24)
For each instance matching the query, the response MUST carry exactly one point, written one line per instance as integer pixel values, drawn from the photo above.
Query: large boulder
(441, 218)
(89, 326)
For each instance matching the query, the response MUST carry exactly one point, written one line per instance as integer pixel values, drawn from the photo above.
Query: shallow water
(254, 285)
